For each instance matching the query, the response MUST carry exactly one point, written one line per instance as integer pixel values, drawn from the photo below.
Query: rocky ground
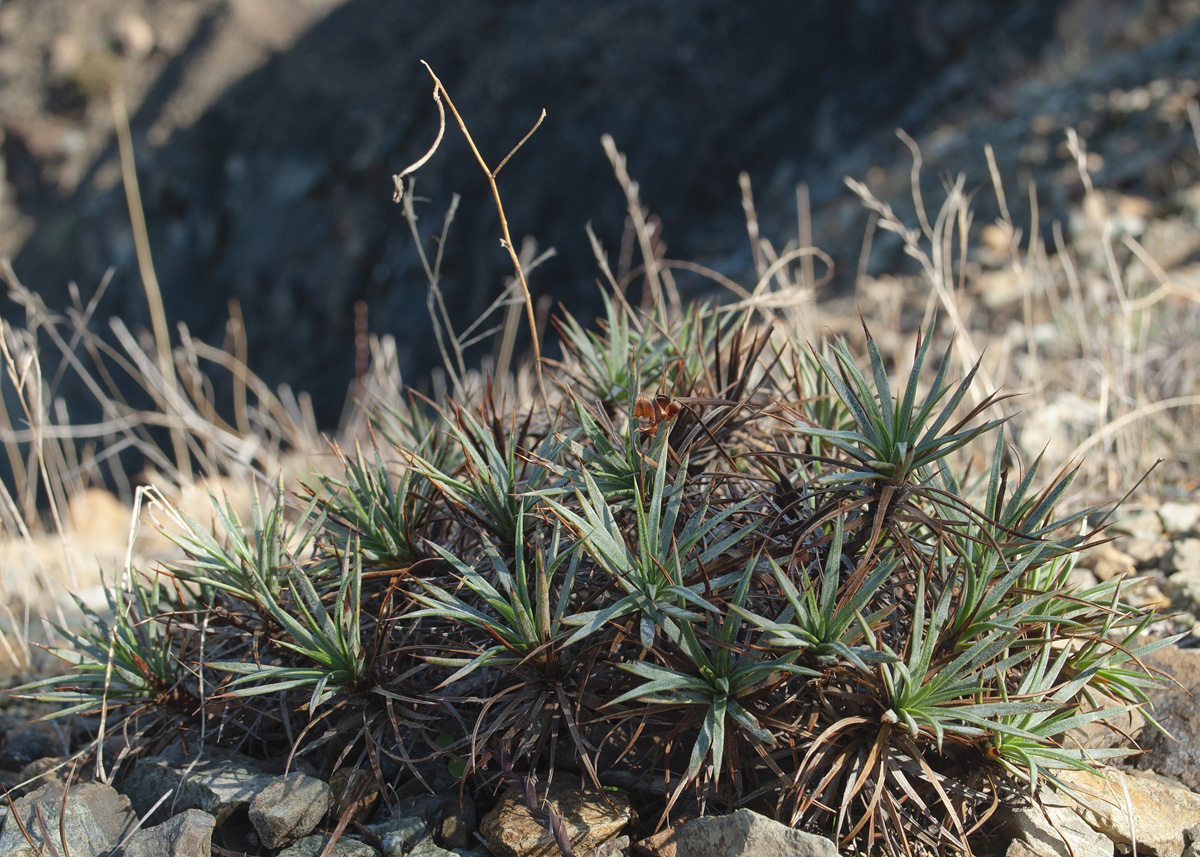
(266, 131)
(185, 805)
(288, 216)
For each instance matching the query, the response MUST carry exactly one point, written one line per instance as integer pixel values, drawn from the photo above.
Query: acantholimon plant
(778, 585)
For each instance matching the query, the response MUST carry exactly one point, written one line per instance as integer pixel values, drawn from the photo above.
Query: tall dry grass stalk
(1099, 339)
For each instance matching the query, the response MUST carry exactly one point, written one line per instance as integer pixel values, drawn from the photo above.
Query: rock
(311, 846)
(1177, 757)
(618, 847)
(415, 818)
(29, 744)
(1183, 588)
(1146, 552)
(348, 784)
(426, 849)
(39, 813)
(1018, 848)
(1137, 810)
(220, 787)
(188, 834)
(748, 833)
(1082, 579)
(289, 809)
(661, 844)
(1192, 838)
(590, 820)
(1053, 829)
(1108, 562)
(458, 822)
(402, 834)
(1141, 524)
(1146, 593)
(1179, 518)
(1184, 557)
(111, 810)
(39, 772)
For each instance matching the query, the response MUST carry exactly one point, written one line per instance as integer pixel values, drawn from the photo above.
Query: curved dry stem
(506, 241)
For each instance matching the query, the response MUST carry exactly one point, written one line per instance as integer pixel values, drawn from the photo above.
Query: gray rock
(414, 818)
(1191, 838)
(1184, 557)
(1054, 829)
(289, 809)
(404, 832)
(111, 809)
(750, 834)
(311, 846)
(345, 784)
(188, 834)
(1018, 848)
(426, 849)
(39, 772)
(39, 813)
(34, 742)
(1137, 810)
(1179, 518)
(1142, 524)
(1147, 553)
(1183, 588)
(1177, 757)
(429, 848)
(220, 787)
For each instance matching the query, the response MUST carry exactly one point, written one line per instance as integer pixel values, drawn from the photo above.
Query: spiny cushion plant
(798, 600)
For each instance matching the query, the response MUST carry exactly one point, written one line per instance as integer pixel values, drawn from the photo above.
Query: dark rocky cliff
(272, 186)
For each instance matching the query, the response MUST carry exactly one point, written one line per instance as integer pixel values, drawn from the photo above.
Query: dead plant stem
(141, 242)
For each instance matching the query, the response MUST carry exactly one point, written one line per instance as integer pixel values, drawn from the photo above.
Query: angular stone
(311, 846)
(1192, 837)
(289, 808)
(1184, 558)
(428, 848)
(1082, 579)
(39, 813)
(618, 847)
(661, 844)
(415, 818)
(748, 833)
(590, 820)
(1146, 552)
(188, 834)
(36, 741)
(1183, 587)
(1179, 518)
(1128, 809)
(1054, 829)
(1018, 848)
(1175, 709)
(220, 787)
(1109, 562)
(1143, 523)
(110, 808)
(345, 784)
(39, 772)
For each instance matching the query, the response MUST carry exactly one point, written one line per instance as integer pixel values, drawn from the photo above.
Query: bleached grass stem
(141, 242)
(439, 92)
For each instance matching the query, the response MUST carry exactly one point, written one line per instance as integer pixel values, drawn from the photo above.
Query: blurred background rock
(266, 133)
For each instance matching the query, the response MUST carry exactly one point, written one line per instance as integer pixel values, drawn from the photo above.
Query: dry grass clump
(701, 560)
